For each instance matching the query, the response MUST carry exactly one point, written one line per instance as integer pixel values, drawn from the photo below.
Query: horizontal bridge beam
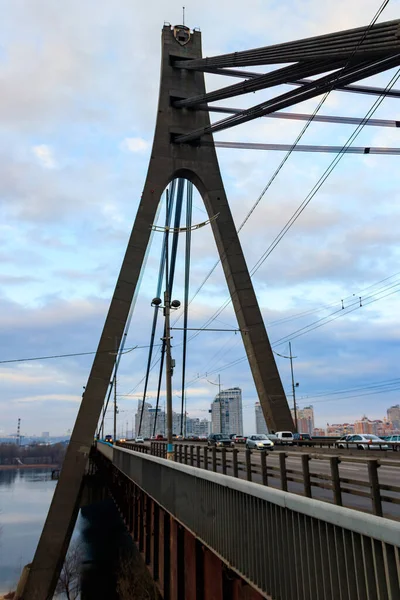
(307, 117)
(354, 89)
(380, 39)
(305, 148)
(349, 74)
(278, 77)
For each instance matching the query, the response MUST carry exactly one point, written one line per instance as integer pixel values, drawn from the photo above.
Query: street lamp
(169, 363)
(294, 385)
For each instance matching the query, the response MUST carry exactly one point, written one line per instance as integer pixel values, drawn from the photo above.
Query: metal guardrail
(287, 546)
(250, 465)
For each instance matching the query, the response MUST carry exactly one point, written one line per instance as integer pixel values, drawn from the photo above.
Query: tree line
(10, 452)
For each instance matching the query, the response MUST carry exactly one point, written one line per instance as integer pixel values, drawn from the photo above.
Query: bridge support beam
(168, 161)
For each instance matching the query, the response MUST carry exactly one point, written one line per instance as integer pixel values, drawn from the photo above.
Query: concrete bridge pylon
(168, 160)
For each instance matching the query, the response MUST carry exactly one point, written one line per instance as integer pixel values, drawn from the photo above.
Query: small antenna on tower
(183, 12)
(19, 433)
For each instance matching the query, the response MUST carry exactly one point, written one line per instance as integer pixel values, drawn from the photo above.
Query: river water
(25, 496)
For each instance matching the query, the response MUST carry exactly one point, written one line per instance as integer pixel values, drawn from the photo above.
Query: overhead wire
(303, 331)
(281, 164)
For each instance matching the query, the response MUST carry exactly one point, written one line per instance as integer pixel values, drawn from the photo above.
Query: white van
(284, 437)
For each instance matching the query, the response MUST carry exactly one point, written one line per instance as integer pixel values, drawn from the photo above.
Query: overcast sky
(79, 86)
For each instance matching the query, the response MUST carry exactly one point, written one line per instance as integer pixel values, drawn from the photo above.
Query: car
(284, 437)
(259, 441)
(272, 437)
(239, 439)
(220, 440)
(160, 437)
(109, 439)
(302, 437)
(139, 440)
(394, 442)
(342, 442)
(122, 440)
(364, 441)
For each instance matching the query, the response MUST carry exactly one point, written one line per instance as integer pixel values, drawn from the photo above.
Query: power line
(302, 331)
(280, 166)
(18, 360)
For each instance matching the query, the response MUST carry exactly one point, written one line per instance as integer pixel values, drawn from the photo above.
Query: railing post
(191, 455)
(175, 452)
(248, 464)
(263, 459)
(198, 456)
(223, 454)
(180, 453)
(235, 452)
(214, 458)
(205, 450)
(185, 450)
(375, 489)
(305, 460)
(337, 492)
(282, 468)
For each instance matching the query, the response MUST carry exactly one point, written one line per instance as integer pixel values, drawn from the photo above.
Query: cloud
(45, 156)
(135, 144)
(72, 112)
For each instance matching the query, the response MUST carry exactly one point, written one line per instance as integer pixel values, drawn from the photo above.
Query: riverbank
(9, 467)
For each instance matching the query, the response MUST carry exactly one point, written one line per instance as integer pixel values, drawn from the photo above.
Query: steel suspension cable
(169, 280)
(290, 151)
(169, 204)
(189, 205)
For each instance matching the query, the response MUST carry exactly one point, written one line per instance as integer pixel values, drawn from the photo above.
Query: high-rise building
(318, 432)
(393, 415)
(195, 426)
(226, 412)
(339, 429)
(261, 426)
(364, 425)
(148, 418)
(305, 419)
(45, 434)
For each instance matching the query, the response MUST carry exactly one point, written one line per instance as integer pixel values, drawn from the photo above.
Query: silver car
(366, 441)
(259, 441)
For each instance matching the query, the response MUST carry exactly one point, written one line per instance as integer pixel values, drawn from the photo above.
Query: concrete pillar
(168, 160)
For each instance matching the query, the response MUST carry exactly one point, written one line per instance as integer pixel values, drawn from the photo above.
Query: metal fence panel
(287, 546)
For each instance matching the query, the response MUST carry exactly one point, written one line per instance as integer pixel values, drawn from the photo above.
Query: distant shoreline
(38, 466)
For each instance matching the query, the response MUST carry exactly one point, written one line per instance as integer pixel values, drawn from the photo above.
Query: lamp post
(294, 385)
(169, 364)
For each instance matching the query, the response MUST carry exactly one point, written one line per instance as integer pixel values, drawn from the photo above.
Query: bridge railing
(287, 546)
(257, 466)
